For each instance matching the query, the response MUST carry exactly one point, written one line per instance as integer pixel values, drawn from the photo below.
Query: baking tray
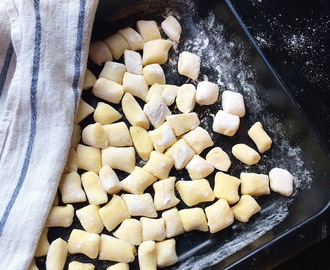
(230, 59)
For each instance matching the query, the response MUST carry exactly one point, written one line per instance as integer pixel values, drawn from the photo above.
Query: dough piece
(136, 85)
(254, 184)
(60, 216)
(133, 112)
(260, 137)
(193, 219)
(90, 219)
(84, 242)
(89, 80)
(148, 30)
(113, 249)
(94, 135)
(84, 109)
(99, 52)
(186, 98)
(246, 207)
(219, 159)
(71, 162)
(105, 114)
(159, 165)
(113, 71)
(226, 187)
(281, 181)
(93, 188)
(70, 188)
(233, 102)
(245, 154)
(154, 73)
(75, 140)
(57, 254)
(109, 180)
(119, 266)
(153, 229)
(166, 253)
(182, 123)
(117, 45)
(195, 192)
(140, 205)
(88, 158)
(120, 158)
(114, 212)
(43, 244)
(198, 139)
(155, 89)
(181, 153)
(207, 93)
(199, 168)
(162, 137)
(130, 231)
(118, 134)
(172, 28)
(164, 194)
(219, 216)
(108, 90)
(133, 62)
(156, 51)
(147, 255)
(74, 265)
(133, 38)
(33, 265)
(169, 94)
(189, 65)
(156, 111)
(225, 123)
(141, 142)
(173, 223)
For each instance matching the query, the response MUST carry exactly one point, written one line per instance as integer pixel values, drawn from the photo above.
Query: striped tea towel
(43, 56)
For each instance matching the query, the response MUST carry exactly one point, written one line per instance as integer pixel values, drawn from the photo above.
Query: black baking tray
(230, 57)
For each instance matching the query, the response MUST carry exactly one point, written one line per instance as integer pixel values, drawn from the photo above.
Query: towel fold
(43, 55)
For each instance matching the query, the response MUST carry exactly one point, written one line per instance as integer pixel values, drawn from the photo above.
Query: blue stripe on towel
(5, 68)
(33, 123)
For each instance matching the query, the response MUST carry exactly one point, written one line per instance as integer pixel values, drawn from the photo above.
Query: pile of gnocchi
(122, 220)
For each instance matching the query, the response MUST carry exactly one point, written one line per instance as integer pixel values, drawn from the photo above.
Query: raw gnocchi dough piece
(71, 162)
(118, 134)
(133, 62)
(193, 192)
(105, 114)
(60, 216)
(93, 188)
(172, 28)
(164, 197)
(43, 244)
(226, 187)
(156, 111)
(88, 158)
(114, 212)
(281, 181)
(219, 216)
(245, 154)
(117, 45)
(119, 266)
(57, 254)
(133, 112)
(89, 80)
(199, 168)
(186, 98)
(140, 205)
(113, 71)
(153, 229)
(99, 52)
(198, 139)
(90, 219)
(141, 141)
(84, 109)
(154, 73)
(156, 51)
(148, 30)
(159, 165)
(33, 265)
(113, 249)
(94, 135)
(173, 223)
(74, 265)
(166, 253)
(162, 137)
(147, 255)
(246, 207)
(193, 219)
(219, 159)
(108, 90)
(254, 184)
(76, 136)
(84, 242)
(70, 188)
(155, 89)
(183, 122)
(233, 103)
(136, 85)
(169, 94)
(138, 181)
(181, 153)
(189, 65)
(260, 137)
(120, 158)
(133, 38)
(130, 231)
(225, 123)
(109, 180)
(207, 93)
